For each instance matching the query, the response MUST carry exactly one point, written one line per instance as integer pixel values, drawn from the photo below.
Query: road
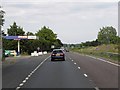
(76, 72)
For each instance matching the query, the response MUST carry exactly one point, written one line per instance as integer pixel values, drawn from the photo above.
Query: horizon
(73, 22)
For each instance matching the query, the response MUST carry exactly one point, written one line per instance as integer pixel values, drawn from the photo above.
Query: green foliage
(2, 17)
(107, 35)
(29, 34)
(84, 44)
(15, 30)
(9, 44)
(46, 34)
(46, 38)
(3, 33)
(110, 51)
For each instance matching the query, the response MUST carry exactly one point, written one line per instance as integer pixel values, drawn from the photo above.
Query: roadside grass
(109, 52)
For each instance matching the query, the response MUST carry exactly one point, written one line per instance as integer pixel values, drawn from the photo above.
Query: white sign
(38, 48)
(32, 37)
(52, 46)
(22, 36)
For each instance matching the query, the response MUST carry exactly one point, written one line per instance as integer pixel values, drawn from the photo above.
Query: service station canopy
(20, 37)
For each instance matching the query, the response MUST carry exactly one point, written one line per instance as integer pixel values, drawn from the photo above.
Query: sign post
(18, 47)
(18, 38)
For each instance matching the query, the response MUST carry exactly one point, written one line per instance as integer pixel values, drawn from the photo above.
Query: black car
(58, 54)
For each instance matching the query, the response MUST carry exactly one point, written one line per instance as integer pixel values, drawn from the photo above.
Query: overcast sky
(73, 21)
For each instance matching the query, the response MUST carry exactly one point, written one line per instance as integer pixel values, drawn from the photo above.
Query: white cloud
(73, 22)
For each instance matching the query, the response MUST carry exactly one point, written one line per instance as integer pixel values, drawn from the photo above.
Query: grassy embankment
(109, 52)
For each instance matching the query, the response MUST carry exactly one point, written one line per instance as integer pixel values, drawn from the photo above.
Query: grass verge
(108, 52)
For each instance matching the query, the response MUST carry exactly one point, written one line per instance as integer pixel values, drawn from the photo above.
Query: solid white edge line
(103, 60)
(100, 59)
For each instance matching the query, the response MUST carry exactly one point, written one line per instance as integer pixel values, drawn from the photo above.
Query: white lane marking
(74, 63)
(29, 76)
(21, 84)
(17, 88)
(78, 67)
(100, 59)
(33, 71)
(24, 81)
(85, 75)
(96, 88)
(104, 60)
(72, 60)
(26, 78)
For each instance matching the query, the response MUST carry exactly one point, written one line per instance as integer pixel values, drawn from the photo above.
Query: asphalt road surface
(76, 72)
(104, 74)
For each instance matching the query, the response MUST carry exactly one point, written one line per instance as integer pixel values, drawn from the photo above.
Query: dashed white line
(21, 84)
(75, 63)
(72, 60)
(32, 72)
(24, 81)
(78, 67)
(17, 88)
(29, 76)
(96, 88)
(85, 75)
(26, 78)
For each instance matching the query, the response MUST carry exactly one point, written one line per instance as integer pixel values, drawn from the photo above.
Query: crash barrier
(35, 53)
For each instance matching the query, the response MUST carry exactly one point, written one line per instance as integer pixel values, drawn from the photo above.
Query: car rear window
(58, 51)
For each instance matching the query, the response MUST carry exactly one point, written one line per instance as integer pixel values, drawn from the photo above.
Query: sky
(74, 21)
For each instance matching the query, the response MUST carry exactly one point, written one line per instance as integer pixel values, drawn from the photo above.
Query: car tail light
(61, 54)
(53, 54)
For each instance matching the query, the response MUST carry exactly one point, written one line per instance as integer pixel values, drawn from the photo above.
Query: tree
(2, 16)
(107, 35)
(29, 34)
(3, 33)
(46, 34)
(58, 43)
(15, 30)
(47, 38)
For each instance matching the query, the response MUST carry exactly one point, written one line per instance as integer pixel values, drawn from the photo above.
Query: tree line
(46, 38)
(106, 35)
